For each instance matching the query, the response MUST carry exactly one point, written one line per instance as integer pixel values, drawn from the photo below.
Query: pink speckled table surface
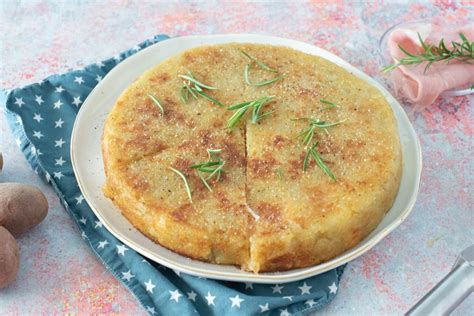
(59, 274)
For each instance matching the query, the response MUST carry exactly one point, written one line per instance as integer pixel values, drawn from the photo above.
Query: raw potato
(9, 258)
(22, 207)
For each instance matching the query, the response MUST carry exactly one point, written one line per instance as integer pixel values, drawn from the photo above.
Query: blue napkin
(41, 116)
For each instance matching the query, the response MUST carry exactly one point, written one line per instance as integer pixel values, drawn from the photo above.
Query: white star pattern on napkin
(59, 143)
(210, 299)
(150, 310)
(277, 288)
(192, 296)
(39, 99)
(127, 275)
(236, 301)
(37, 117)
(19, 102)
(79, 199)
(175, 295)
(305, 289)
(59, 123)
(78, 80)
(77, 101)
(149, 286)
(264, 308)
(59, 162)
(310, 303)
(37, 134)
(102, 244)
(57, 104)
(121, 250)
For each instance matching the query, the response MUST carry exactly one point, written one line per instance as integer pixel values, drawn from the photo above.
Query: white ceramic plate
(87, 162)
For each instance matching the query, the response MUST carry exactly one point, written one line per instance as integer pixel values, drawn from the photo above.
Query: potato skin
(9, 258)
(22, 207)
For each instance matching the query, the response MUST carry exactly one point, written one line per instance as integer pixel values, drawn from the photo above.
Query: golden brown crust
(302, 218)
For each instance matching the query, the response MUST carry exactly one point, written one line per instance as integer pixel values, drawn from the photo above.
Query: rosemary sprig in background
(191, 86)
(462, 51)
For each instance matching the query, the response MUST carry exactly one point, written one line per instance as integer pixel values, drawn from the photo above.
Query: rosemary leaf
(155, 100)
(321, 163)
(213, 167)
(235, 118)
(306, 160)
(204, 182)
(242, 108)
(246, 74)
(197, 83)
(238, 106)
(194, 87)
(307, 134)
(184, 94)
(269, 81)
(186, 184)
(258, 62)
(206, 96)
(263, 66)
(187, 86)
(330, 104)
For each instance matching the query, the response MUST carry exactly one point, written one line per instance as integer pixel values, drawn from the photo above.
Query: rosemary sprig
(269, 81)
(242, 108)
(263, 66)
(191, 86)
(319, 161)
(155, 100)
(307, 134)
(258, 62)
(186, 184)
(462, 51)
(213, 167)
(329, 103)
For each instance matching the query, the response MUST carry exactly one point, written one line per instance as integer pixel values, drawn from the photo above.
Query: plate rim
(286, 276)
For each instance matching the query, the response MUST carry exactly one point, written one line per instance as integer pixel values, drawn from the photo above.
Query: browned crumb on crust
(184, 212)
(279, 141)
(262, 167)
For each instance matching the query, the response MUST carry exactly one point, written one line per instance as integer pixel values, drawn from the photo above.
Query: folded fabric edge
(34, 163)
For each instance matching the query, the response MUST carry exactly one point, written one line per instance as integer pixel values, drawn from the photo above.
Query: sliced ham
(420, 87)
